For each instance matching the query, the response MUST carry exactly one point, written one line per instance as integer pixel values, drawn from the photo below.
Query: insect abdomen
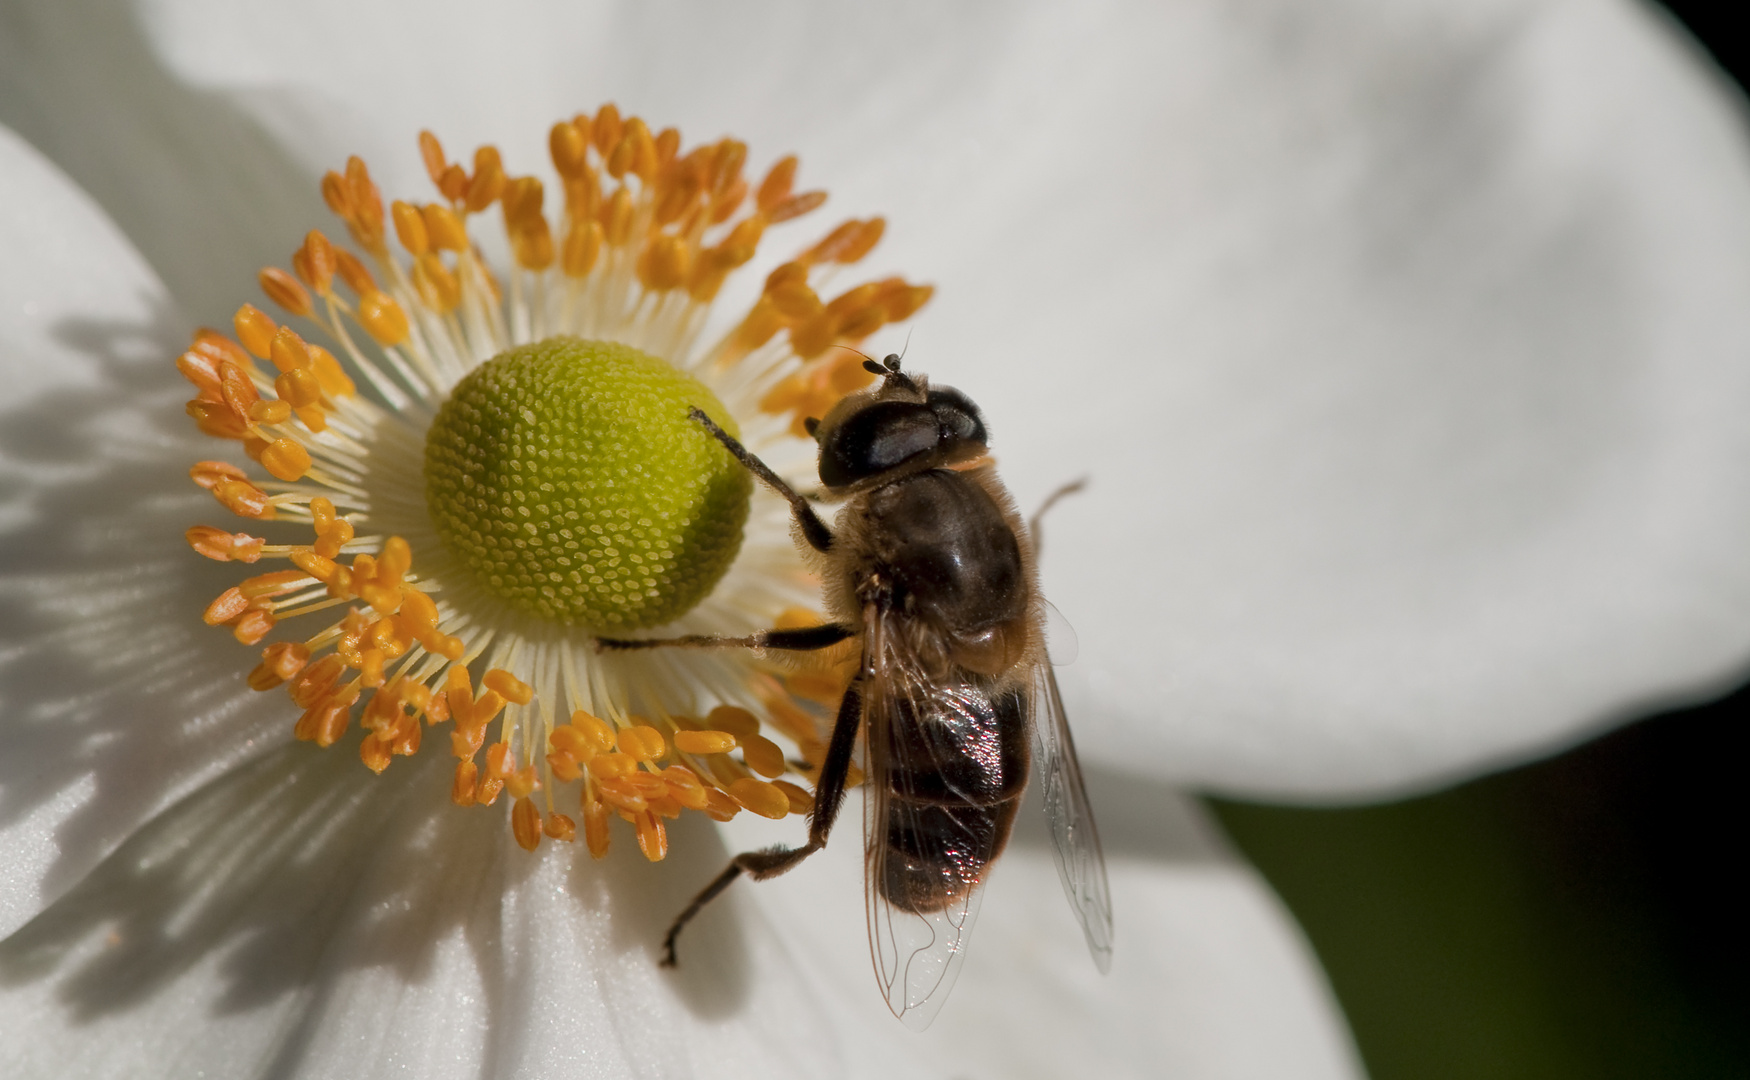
(955, 781)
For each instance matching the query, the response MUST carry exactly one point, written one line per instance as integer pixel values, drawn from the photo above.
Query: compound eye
(958, 416)
(881, 437)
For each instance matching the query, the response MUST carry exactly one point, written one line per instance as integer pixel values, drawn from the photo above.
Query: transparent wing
(1080, 864)
(926, 849)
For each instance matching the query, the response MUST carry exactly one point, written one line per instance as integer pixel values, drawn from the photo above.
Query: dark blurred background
(1576, 917)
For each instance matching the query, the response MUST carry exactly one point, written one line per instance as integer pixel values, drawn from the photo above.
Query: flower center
(568, 477)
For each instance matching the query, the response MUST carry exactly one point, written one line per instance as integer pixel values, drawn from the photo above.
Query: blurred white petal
(1403, 343)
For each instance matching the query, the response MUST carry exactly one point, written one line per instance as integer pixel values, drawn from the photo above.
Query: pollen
(453, 472)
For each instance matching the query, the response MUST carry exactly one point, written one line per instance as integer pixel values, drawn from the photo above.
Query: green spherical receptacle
(569, 478)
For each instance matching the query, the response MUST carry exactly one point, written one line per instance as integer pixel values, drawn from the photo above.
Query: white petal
(301, 917)
(115, 699)
(1210, 978)
(1403, 343)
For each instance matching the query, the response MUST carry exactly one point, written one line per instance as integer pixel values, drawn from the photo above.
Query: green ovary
(569, 478)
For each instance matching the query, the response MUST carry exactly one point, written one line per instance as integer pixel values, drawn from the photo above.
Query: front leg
(814, 530)
(800, 639)
(829, 795)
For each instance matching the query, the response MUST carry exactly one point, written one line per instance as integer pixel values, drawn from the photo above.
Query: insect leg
(814, 530)
(829, 795)
(801, 639)
(1038, 517)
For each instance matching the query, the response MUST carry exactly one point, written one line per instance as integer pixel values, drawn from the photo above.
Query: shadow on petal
(108, 678)
(199, 188)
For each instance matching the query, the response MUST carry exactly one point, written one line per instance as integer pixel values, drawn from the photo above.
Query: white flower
(1404, 347)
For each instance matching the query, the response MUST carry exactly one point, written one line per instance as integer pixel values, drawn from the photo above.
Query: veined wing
(1080, 864)
(928, 836)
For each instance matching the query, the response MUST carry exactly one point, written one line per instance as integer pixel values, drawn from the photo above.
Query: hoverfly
(930, 566)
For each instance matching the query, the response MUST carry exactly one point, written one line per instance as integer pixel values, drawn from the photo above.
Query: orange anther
(447, 646)
(394, 560)
(623, 796)
(419, 612)
(595, 826)
(763, 755)
(624, 155)
(775, 188)
(284, 290)
(270, 412)
(444, 227)
(284, 659)
(566, 739)
(277, 583)
(596, 730)
(508, 685)
(704, 742)
(719, 805)
(366, 220)
(525, 823)
(521, 201)
(437, 710)
(607, 128)
(488, 180)
(864, 242)
(616, 218)
(564, 766)
(498, 760)
(521, 782)
(652, 837)
(255, 330)
(560, 827)
(223, 546)
(685, 787)
(642, 742)
(298, 387)
(764, 799)
(202, 370)
(667, 144)
(438, 288)
(644, 157)
(357, 277)
(336, 194)
(315, 262)
(371, 667)
(465, 743)
(568, 147)
(314, 682)
(801, 800)
(410, 228)
(733, 719)
(583, 243)
(374, 751)
(286, 459)
(329, 718)
(795, 206)
(230, 604)
(432, 153)
(382, 318)
(616, 766)
(664, 263)
(329, 373)
(244, 499)
(487, 792)
(903, 302)
(795, 300)
(287, 350)
(532, 244)
(467, 779)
